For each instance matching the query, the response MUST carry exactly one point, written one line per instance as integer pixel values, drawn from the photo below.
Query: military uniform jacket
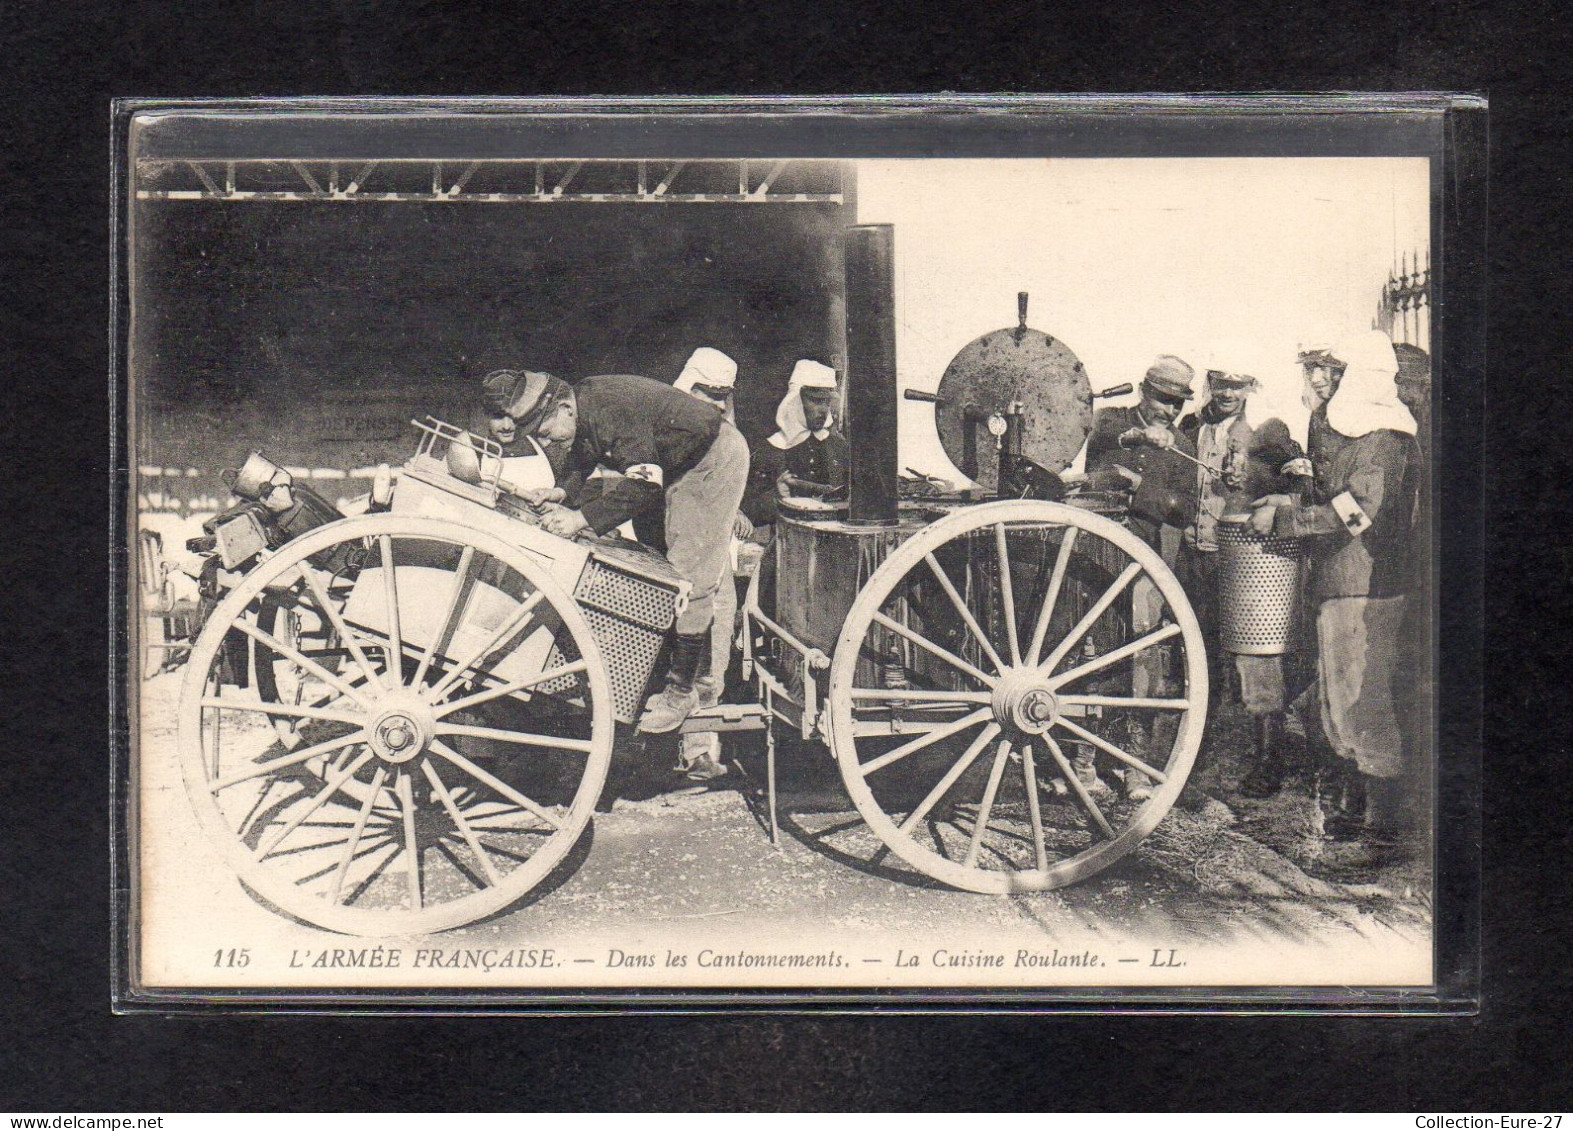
(818, 461)
(1167, 495)
(1362, 520)
(648, 432)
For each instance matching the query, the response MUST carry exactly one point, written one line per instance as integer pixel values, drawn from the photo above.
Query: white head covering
(1367, 397)
(790, 418)
(1238, 359)
(707, 367)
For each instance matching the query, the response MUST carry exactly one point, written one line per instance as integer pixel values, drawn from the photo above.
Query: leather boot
(706, 686)
(1266, 776)
(1377, 841)
(1343, 799)
(666, 710)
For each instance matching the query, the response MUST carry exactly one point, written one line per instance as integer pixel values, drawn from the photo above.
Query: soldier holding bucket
(1241, 584)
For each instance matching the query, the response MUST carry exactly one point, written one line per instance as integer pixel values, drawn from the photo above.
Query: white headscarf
(790, 418)
(1239, 359)
(1367, 396)
(707, 366)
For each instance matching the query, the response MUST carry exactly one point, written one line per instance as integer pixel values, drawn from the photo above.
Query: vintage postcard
(571, 560)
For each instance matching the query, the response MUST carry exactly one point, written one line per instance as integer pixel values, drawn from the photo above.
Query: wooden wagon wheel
(998, 676)
(445, 768)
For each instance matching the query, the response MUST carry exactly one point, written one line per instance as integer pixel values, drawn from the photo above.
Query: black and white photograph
(581, 562)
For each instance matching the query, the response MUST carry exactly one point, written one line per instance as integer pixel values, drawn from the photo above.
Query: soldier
(1361, 526)
(664, 445)
(807, 454)
(1249, 462)
(1130, 449)
(1127, 450)
(711, 376)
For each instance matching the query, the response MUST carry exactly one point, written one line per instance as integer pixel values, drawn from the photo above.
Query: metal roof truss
(494, 181)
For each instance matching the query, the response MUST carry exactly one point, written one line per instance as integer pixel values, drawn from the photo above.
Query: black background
(62, 1050)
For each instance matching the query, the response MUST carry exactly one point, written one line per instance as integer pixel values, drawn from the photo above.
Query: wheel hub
(400, 732)
(1026, 703)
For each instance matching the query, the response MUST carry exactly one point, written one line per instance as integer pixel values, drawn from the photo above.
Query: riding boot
(666, 710)
(1266, 776)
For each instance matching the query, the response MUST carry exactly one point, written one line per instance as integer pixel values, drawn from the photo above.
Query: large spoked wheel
(1017, 696)
(436, 774)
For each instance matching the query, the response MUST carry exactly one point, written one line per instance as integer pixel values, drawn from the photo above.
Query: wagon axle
(401, 732)
(1024, 701)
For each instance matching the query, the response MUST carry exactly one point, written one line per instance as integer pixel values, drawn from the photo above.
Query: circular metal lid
(1015, 366)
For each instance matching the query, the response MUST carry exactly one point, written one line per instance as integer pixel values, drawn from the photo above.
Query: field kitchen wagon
(401, 721)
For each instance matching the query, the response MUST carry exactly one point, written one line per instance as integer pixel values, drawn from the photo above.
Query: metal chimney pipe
(871, 373)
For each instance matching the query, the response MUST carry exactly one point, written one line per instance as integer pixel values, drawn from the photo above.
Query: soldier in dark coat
(1134, 449)
(807, 454)
(1138, 440)
(665, 446)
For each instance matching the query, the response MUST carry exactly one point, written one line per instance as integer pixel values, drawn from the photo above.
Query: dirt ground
(1226, 874)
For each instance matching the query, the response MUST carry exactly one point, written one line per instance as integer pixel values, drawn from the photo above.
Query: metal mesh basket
(1258, 586)
(629, 616)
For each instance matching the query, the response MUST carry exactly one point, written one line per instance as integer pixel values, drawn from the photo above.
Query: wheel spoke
(412, 854)
(1007, 593)
(933, 736)
(390, 587)
(257, 769)
(353, 843)
(529, 681)
(334, 781)
(920, 695)
(928, 645)
(986, 807)
(502, 633)
(448, 625)
(1056, 580)
(496, 783)
(262, 708)
(301, 660)
(1157, 636)
(1112, 750)
(583, 745)
(458, 819)
(1117, 701)
(336, 619)
(1073, 637)
(1069, 773)
(964, 612)
(1029, 775)
(916, 816)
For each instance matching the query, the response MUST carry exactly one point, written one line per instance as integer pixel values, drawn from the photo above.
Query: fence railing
(1405, 310)
(199, 491)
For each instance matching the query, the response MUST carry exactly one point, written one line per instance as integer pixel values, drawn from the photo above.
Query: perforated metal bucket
(1258, 584)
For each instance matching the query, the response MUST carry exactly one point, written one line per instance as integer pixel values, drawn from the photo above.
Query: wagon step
(726, 717)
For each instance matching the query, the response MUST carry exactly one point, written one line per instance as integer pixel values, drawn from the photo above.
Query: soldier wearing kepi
(1361, 526)
(1129, 449)
(1133, 449)
(663, 445)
